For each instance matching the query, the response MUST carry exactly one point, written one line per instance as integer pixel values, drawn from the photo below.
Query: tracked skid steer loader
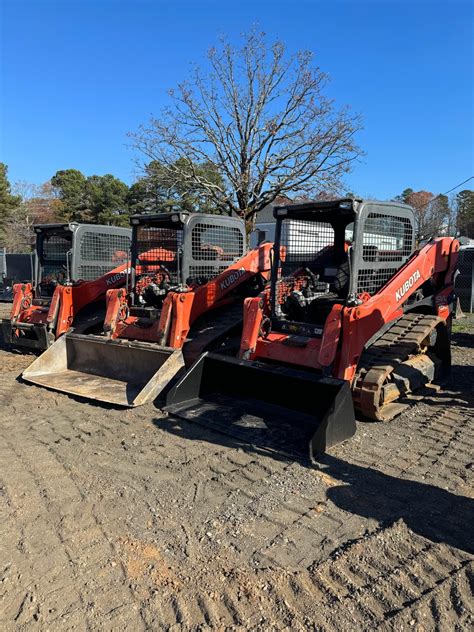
(74, 266)
(354, 319)
(190, 273)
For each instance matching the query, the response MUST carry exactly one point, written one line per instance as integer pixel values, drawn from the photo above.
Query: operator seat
(320, 307)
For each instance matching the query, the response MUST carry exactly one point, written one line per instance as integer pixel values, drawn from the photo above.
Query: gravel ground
(114, 519)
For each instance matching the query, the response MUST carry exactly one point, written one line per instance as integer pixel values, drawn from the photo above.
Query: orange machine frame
(181, 309)
(67, 301)
(348, 329)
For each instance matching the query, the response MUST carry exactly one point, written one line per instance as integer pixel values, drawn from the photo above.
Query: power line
(456, 187)
(445, 193)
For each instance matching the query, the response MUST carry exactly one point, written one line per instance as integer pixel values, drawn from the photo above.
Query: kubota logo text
(116, 277)
(400, 293)
(232, 278)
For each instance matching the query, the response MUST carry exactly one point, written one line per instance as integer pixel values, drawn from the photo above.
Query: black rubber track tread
(395, 346)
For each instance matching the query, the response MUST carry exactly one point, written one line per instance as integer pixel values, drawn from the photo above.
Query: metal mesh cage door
(99, 252)
(307, 262)
(214, 246)
(53, 259)
(158, 257)
(387, 242)
(54, 247)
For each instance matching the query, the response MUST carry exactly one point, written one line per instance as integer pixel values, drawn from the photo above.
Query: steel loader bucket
(270, 406)
(35, 336)
(115, 371)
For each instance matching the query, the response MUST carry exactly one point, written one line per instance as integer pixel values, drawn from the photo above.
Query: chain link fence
(464, 284)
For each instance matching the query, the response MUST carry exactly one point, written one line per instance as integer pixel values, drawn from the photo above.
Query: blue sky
(76, 76)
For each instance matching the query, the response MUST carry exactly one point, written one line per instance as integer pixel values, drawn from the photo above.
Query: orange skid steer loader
(354, 317)
(74, 266)
(190, 273)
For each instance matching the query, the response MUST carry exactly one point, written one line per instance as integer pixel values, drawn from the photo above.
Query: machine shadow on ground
(462, 339)
(430, 511)
(281, 441)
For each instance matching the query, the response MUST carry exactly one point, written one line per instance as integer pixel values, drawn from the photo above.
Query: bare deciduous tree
(37, 205)
(432, 213)
(261, 119)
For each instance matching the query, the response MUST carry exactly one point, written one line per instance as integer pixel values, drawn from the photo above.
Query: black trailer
(14, 268)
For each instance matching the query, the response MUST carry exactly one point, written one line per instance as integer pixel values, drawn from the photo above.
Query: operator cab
(53, 248)
(329, 253)
(178, 250)
(72, 252)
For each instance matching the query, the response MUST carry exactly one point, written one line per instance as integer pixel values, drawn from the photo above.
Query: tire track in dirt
(444, 439)
(433, 443)
(388, 576)
(9, 388)
(327, 585)
(379, 576)
(447, 607)
(36, 539)
(95, 501)
(64, 513)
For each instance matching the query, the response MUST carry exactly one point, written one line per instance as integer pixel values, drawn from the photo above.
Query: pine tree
(8, 202)
(465, 208)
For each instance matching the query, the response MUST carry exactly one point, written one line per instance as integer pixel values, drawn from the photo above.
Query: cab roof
(342, 207)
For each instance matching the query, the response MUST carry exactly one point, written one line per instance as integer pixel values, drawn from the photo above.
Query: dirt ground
(114, 519)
